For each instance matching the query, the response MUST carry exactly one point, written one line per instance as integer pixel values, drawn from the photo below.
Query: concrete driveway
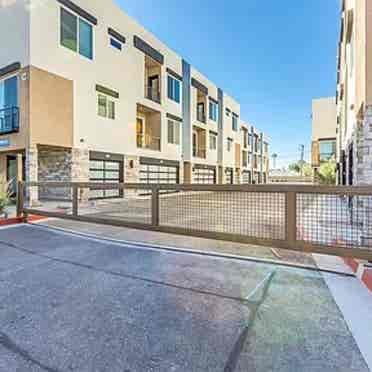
(70, 303)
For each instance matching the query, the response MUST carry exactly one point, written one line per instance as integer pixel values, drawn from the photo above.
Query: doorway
(11, 173)
(140, 132)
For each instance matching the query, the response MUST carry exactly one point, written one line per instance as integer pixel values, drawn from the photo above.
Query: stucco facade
(354, 94)
(113, 100)
(324, 126)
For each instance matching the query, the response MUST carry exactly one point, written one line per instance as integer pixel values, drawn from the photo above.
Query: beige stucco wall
(51, 109)
(324, 122)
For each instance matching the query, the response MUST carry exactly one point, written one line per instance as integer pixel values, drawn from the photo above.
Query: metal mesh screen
(127, 206)
(344, 221)
(253, 214)
(49, 198)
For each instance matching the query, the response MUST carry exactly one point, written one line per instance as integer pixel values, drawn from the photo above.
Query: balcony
(148, 128)
(201, 107)
(201, 117)
(199, 143)
(199, 153)
(152, 93)
(148, 142)
(9, 120)
(153, 79)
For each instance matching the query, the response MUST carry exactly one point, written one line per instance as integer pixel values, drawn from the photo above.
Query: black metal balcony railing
(9, 120)
(148, 142)
(152, 93)
(201, 117)
(200, 153)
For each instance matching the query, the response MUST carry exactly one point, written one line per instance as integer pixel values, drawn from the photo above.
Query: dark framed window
(69, 28)
(174, 89)
(76, 34)
(213, 111)
(235, 122)
(85, 39)
(116, 44)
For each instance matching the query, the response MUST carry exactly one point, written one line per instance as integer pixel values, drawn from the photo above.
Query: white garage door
(204, 176)
(105, 171)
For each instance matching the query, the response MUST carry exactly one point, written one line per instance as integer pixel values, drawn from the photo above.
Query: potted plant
(4, 197)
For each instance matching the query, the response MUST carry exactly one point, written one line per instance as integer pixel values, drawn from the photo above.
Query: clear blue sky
(272, 58)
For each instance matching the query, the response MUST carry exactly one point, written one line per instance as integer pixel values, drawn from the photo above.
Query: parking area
(73, 303)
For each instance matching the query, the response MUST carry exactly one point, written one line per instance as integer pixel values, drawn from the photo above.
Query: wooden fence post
(75, 200)
(20, 198)
(291, 217)
(155, 213)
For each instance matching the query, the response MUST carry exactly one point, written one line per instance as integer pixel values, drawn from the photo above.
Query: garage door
(247, 177)
(204, 176)
(229, 176)
(105, 171)
(158, 174)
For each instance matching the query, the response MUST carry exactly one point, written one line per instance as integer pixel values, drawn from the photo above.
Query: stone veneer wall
(364, 172)
(54, 165)
(131, 173)
(364, 167)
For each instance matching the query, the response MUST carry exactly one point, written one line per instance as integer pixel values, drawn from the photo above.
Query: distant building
(354, 93)
(288, 177)
(324, 123)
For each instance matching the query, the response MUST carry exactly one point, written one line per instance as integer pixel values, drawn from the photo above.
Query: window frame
(176, 140)
(110, 106)
(2, 82)
(213, 111)
(79, 20)
(171, 88)
(230, 143)
(116, 44)
(235, 122)
(214, 142)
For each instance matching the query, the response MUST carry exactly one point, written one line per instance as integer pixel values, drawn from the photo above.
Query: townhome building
(354, 94)
(324, 126)
(87, 94)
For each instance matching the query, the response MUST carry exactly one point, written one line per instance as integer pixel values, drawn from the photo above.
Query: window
(9, 93)
(245, 138)
(212, 141)
(76, 34)
(174, 89)
(327, 149)
(173, 132)
(235, 122)
(106, 107)
(213, 111)
(245, 158)
(116, 44)
(229, 144)
(85, 39)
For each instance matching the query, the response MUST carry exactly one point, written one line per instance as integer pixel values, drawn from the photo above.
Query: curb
(18, 220)
(363, 271)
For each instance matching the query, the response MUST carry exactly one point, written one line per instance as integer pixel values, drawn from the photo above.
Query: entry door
(195, 143)
(140, 132)
(11, 174)
(153, 83)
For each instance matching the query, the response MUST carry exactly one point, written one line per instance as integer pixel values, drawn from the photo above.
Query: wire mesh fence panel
(335, 220)
(49, 198)
(128, 206)
(253, 214)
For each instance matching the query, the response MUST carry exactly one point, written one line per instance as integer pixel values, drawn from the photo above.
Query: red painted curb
(352, 263)
(17, 220)
(367, 278)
